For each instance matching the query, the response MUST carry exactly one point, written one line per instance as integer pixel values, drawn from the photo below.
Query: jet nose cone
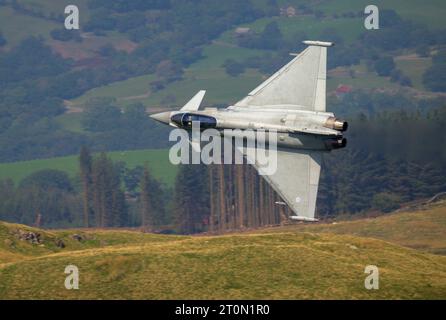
(163, 117)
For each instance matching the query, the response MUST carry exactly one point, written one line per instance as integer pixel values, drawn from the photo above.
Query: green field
(157, 160)
(429, 12)
(221, 89)
(125, 92)
(280, 263)
(363, 79)
(15, 27)
(205, 74)
(414, 68)
(313, 27)
(71, 122)
(58, 6)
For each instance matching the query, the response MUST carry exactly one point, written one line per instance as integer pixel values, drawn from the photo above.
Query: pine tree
(240, 189)
(118, 216)
(85, 162)
(221, 188)
(191, 202)
(146, 209)
(108, 199)
(212, 196)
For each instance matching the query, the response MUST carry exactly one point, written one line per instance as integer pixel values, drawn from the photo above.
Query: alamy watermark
(371, 22)
(72, 20)
(72, 280)
(371, 282)
(228, 146)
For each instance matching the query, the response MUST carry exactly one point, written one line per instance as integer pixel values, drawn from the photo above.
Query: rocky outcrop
(31, 237)
(77, 237)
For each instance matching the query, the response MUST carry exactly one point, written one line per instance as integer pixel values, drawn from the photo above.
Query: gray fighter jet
(292, 102)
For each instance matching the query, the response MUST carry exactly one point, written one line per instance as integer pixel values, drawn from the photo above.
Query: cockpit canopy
(184, 120)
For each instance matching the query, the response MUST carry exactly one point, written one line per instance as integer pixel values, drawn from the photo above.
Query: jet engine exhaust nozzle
(337, 143)
(336, 124)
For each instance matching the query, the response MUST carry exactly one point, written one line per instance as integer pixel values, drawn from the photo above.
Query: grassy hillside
(431, 13)
(221, 88)
(58, 6)
(414, 67)
(12, 249)
(206, 73)
(17, 26)
(423, 229)
(157, 160)
(23, 26)
(348, 28)
(281, 263)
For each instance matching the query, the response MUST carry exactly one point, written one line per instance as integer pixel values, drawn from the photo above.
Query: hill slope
(424, 229)
(279, 264)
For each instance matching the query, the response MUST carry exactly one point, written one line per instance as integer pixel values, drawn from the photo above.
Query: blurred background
(77, 147)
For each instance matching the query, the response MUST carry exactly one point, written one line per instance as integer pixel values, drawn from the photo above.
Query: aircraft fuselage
(296, 129)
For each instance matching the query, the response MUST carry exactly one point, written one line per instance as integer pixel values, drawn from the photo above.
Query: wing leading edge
(300, 84)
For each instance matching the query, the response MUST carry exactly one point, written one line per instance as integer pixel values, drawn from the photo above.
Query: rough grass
(13, 249)
(283, 263)
(271, 266)
(157, 160)
(424, 230)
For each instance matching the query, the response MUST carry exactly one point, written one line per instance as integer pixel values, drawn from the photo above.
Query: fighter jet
(292, 102)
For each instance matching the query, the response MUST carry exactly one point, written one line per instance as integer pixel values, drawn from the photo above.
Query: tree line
(218, 198)
(106, 198)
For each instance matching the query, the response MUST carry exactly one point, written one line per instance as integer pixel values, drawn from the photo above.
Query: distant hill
(279, 263)
(342, 19)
